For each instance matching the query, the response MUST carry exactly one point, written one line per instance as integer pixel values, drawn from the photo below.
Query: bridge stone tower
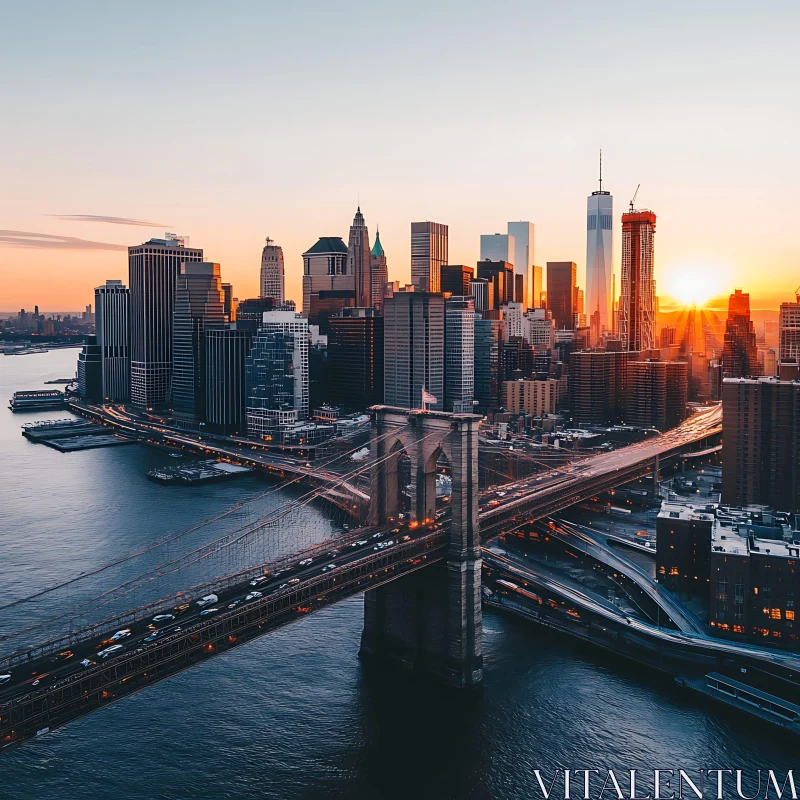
(430, 620)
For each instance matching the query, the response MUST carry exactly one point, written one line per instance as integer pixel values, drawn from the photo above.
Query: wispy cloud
(110, 220)
(48, 242)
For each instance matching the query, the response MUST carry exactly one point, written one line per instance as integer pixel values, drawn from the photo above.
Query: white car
(253, 596)
(163, 617)
(259, 579)
(5, 678)
(329, 567)
(208, 611)
(121, 634)
(207, 600)
(115, 648)
(305, 562)
(87, 663)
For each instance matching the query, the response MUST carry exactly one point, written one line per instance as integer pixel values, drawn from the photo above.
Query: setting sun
(693, 285)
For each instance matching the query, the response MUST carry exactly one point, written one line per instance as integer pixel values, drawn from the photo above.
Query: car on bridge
(305, 562)
(208, 611)
(121, 634)
(260, 579)
(109, 651)
(207, 600)
(163, 617)
(5, 678)
(253, 596)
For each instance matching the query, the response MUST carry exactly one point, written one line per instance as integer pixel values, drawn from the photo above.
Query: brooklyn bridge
(418, 565)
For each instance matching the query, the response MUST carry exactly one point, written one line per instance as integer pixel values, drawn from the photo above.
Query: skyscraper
(112, 304)
(90, 371)
(489, 336)
(270, 382)
(355, 359)
(380, 273)
(359, 260)
(789, 337)
(455, 278)
(413, 346)
(153, 269)
(199, 305)
(536, 287)
(760, 439)
(739, 351)
(562, 293)
(523, 235)
(497, 247)
(599, 233)
(428, 253)
(501, 275)
(459, 349)
(289, 323)
(637, 318)
(272, 279)
(328, 284)
(226, 352)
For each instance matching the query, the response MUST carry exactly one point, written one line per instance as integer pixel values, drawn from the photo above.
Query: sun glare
(694, 285)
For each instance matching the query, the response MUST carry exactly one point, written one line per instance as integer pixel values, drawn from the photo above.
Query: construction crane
(633, 199)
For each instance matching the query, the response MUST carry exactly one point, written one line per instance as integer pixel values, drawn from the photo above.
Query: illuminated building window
(776, 634)
(738, 628)
(673, 570)
(775, 613)
(790, 615)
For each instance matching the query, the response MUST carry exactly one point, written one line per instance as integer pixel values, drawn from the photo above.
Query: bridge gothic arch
(429, 620)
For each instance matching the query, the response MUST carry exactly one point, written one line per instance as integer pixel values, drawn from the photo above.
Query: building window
(775, 613)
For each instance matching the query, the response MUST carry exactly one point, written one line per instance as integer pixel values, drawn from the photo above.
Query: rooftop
(327, 244)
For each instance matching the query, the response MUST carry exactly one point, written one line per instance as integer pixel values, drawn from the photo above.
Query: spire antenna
(601, 169)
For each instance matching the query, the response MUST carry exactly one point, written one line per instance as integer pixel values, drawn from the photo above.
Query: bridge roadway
(543, 495)
(61, 680)
(242, 451)
(49, 685)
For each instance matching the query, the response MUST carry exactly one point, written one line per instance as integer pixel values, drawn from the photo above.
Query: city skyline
(73, 211)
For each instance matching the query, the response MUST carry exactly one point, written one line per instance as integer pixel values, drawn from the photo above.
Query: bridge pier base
(430, 620)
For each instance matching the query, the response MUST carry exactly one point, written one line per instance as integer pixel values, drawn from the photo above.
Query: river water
(295, 714)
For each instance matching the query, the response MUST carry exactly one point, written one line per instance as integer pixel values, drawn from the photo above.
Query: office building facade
(359, 261)
(328, 285)
(429, 251)
(90, 371)
(199, 305)
(789, 335)
(456, 279)
(414, 349)
(497, 247)
(523, 235)
(380, 273)
(153, 269)
(459, 349)
(599, 268)
(226, 351)
(355, 359)
(760, 442)
(112, 303)
(272, 275)
(562, 293)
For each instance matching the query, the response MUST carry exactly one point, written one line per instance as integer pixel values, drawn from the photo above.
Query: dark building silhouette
(250, 312)
(598, 386)
(739, 351)
(760, 438)
(355, 359)
(562, 293)
(226, 351)
(500, 274)
(455, 278)
(489, 336)
(516, 358)
(90, 371)
(683, 548)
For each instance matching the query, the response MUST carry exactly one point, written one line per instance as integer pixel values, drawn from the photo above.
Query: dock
(209, 471)
(70, 435)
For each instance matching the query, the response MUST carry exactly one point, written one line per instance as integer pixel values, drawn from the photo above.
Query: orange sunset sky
(228, 124)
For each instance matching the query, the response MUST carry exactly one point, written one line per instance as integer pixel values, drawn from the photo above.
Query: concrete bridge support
(429, 621)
